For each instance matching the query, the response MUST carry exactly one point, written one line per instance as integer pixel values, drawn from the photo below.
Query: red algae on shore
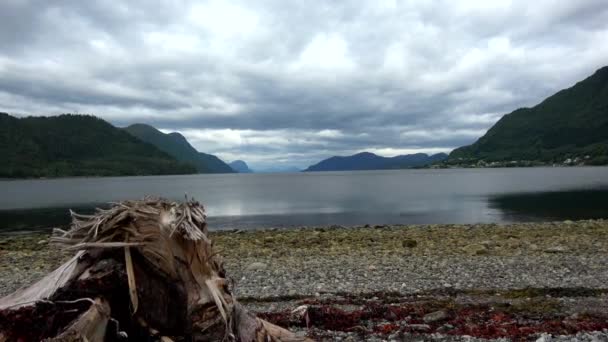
(516, 319)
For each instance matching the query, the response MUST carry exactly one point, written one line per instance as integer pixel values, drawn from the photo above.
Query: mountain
(77, 145)
(571, 124)
(240, 166)
(179, 148)
(370, 161)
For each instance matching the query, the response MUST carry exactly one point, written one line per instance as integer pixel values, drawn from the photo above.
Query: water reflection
(517, 207)
(344, 198)
(556, 205)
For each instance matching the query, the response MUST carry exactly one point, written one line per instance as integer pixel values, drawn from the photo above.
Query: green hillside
(178, 147)
(571, 124)
(77, 145)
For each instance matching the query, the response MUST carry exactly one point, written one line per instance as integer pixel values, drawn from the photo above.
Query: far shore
(427, 167)
(545, 271)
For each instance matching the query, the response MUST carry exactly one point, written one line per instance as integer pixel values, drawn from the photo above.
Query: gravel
(307, 276)
(325, 261)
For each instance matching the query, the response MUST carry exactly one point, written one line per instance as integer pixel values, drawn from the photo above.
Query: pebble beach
(533, 281)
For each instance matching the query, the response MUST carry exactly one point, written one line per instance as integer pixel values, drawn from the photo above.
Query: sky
(287, 83)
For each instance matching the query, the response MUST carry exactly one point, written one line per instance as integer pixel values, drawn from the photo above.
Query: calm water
(346, 198)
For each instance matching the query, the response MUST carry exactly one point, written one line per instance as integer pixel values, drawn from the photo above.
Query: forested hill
(570, 126)
(77, 145)
(179, 148)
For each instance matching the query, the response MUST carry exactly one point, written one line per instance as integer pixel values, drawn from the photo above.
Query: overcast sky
(288, 83)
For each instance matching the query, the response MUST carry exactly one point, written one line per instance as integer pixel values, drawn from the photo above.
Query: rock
(409, 243)
(391, 316)
(393, 337)
(488, 243)
(371, 267)
(556, 249)
(445, 328)
(42, 242)
(256, 266)
(544, 338)
(419, 327)
(435, 316)
(476, 249)
(568, 222)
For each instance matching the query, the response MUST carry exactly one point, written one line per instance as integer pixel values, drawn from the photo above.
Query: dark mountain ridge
(77, 145)
(179, 148)
(240, 166)
(371, 161)
(571, 124)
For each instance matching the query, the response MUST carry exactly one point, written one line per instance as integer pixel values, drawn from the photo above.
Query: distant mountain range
(179, 148)
(370, 161)
(569, 127)
(77, 145)
(240, 166)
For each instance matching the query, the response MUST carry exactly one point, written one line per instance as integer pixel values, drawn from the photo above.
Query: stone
(435, 316)
(257, 266)
(556, 249)
(42, 242)
(419, 327)
(476, 249)
(409, 243)
(488, 243)
(544, 338)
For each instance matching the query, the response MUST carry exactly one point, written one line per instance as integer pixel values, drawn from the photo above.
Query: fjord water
(324, 198)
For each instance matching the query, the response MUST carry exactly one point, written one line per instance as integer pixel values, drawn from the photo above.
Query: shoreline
(430, 167)
(350, 272)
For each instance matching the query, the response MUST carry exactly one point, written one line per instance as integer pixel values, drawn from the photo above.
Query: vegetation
(570, 127)
(178, 147)
(370, 161)
(77, 145)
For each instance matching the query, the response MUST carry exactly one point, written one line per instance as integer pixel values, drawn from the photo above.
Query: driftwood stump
(142, 271)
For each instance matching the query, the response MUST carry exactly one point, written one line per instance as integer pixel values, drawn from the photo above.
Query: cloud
(289, 83)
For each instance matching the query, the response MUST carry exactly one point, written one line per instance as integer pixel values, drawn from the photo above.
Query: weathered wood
(151, 265)
(89, 327)
(45, 287)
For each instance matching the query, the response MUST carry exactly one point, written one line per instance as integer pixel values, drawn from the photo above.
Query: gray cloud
(289, 83)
